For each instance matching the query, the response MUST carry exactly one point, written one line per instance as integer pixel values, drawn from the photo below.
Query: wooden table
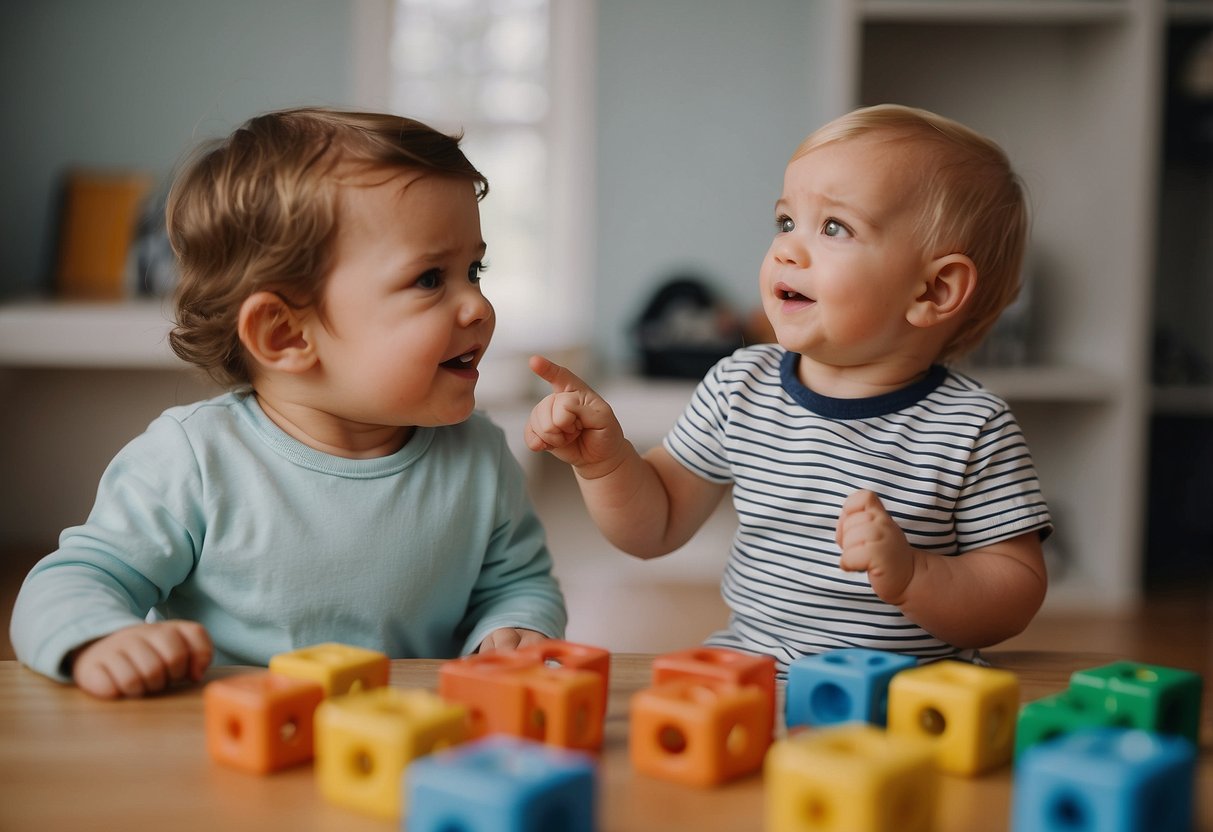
(71, 762)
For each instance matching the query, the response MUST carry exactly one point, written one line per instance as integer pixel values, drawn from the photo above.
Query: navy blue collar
(881, 405)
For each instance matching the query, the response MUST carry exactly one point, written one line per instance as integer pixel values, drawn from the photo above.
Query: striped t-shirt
(945, 456)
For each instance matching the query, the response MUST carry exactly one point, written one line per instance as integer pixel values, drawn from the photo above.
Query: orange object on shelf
(100, 216)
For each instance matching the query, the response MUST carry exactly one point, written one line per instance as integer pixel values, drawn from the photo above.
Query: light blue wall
(134, 83)
(700, 104)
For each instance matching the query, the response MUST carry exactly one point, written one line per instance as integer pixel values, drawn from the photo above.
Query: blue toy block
(501, 784)
(1106, 779)
(847, 685)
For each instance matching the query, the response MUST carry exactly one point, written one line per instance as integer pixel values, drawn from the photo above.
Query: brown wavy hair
(258, 211)
(972, 203)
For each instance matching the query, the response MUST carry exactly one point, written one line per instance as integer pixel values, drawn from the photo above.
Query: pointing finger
(562, 379)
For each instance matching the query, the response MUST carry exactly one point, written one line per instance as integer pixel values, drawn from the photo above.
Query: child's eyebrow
(441, 254)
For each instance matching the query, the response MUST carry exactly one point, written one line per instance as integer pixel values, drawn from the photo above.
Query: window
(515, 77)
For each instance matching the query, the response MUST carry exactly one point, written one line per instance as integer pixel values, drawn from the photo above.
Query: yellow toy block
(338, 668)
(365, 741)
(969, 712)
(853, 777)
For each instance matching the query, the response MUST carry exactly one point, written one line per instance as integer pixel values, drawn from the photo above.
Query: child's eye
(429, 280)
(784, 224)
(476, 269)
(833, 228)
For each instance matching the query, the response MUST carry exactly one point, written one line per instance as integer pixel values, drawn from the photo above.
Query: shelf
(118, 335)
(1043, 384)
(995, 11)
(1184, 400)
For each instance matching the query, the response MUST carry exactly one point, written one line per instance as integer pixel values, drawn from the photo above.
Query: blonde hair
(259, 211)
(973, 203)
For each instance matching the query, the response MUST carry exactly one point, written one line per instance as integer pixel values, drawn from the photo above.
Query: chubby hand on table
(143, 659)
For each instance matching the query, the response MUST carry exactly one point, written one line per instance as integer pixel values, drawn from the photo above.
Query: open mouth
(785, 292)
(465, 361)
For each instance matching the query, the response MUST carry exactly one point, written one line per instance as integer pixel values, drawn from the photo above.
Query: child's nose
(474, 307)
(790, 251)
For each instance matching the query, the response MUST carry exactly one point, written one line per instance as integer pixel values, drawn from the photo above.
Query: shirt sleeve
(516, 587)
(1001, 497)
(697, 439)
(139, 541)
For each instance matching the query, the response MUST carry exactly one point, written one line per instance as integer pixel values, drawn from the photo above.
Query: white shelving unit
(1070, 89)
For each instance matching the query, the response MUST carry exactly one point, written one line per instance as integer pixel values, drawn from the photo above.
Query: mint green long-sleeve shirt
(215, 515)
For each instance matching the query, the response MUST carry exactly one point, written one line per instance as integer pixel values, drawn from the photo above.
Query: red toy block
(260, 722)
(721, 665)
(557, 653)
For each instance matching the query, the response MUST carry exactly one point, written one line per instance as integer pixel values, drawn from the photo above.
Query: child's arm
(142, 659)
(975, 599)
(645, 505)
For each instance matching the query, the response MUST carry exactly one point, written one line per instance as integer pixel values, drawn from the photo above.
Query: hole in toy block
(715, 657)
(830, 702)
(362, 763)
(234, 729)
(1067, 811)
(1142, 674)
(538, 725)
(552, 661)
(671, 739)
(476, 722)
(581, 721)
(556, 816)
(998, 727)
(356, 686)
(816, 811)
(834, 658)
(931, 721)
(737, 741)
(289, 730)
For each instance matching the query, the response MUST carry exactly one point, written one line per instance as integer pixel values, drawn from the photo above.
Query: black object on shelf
(684, 329)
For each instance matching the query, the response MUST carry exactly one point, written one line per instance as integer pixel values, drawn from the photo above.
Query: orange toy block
(338, 668)
(513, 693)
(721, 665)
(260, 722)
(566, 654)
(699, 732)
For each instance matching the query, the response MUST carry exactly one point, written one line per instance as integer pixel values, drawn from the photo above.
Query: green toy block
(1059, 714)
(1165, 700)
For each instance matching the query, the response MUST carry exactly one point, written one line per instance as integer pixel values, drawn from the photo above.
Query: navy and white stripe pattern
(945, 456)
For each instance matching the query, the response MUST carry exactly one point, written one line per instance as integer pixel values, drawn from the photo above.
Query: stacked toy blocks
(502, 784)
(554, 692)
(846, 685)
(850, 778)
(1121, 694)
(707, 718)
(1108, 779)
(968, 711)
(264, 721)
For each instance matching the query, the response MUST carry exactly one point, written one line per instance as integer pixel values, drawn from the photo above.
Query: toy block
(1059, 714)
(502, 784)
(512, 693)
(260, 722)
(1149, 697)
(698, 732)
(1107, 779)
(845, 685)
(969, 711)
(567, 654)
(720, 664)
(850, 778)
(339, 668)
(365, 741)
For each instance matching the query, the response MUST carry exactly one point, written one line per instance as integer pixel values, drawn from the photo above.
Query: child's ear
(946, 292)
(274, 334)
